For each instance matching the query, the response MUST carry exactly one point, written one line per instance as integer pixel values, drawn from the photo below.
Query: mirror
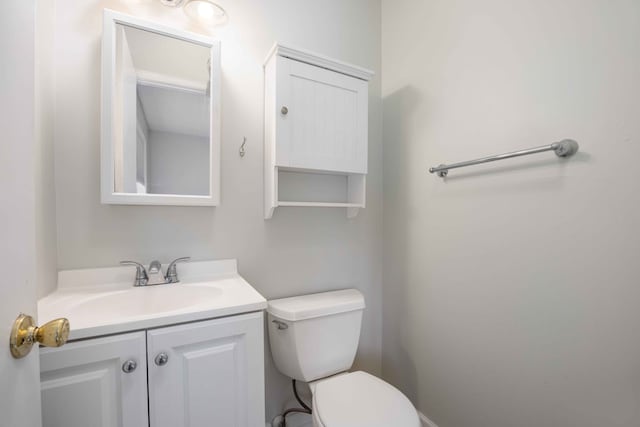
(160, 113)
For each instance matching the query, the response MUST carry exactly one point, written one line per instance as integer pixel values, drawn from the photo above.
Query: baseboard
(426, 422)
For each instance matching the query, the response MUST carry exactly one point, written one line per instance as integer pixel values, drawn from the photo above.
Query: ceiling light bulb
(205, 11)
(171, 3)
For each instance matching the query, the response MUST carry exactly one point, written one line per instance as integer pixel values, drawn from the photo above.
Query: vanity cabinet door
(84, 383)
(207, 374)
(322, 118)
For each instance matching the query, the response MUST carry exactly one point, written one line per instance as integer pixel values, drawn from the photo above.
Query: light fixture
(171, 3)
(205, 11)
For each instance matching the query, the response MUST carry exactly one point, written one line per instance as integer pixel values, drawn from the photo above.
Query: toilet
(314, 339)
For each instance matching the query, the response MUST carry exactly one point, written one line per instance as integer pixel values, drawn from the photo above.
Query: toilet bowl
(314, 339)
(359, 399)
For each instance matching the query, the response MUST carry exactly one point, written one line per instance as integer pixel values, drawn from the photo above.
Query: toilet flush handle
(281, 325)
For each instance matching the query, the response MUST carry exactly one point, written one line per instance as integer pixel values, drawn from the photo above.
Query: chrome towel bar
(564, 148)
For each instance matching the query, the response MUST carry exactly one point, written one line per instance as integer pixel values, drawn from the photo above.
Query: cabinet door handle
(129, 366)
(161, 359)
(284, 111)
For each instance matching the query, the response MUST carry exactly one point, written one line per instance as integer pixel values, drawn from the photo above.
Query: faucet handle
(172, 271)
(141, 273)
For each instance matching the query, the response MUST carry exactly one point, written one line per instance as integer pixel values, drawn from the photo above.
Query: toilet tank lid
(316, 305)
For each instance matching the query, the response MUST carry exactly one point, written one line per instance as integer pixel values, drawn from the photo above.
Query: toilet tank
(315, 336)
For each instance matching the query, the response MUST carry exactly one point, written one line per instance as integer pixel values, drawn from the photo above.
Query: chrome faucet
(154, 275)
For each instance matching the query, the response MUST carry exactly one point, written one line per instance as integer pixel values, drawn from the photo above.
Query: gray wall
(301, 250)
(511, 289)
(177, 164)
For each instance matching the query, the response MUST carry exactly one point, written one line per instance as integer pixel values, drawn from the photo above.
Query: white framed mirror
(160, 142)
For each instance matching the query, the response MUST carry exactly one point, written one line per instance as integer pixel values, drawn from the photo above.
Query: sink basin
(146, 301)
(102, 301)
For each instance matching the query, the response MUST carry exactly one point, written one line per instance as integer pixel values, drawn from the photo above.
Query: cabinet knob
(284, 111)
(161, 359)
(129, 366)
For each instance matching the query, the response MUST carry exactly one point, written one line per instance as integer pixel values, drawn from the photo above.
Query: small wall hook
(242, 151)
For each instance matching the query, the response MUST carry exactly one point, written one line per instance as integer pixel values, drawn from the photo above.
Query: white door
(322, 118)
(207, 373)
(99, 382)
(19, 378)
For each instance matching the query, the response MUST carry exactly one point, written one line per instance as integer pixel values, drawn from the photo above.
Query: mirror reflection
(162, 114)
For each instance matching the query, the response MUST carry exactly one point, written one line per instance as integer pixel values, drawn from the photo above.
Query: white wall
(177, 164)
(511, 289)
(301, 250)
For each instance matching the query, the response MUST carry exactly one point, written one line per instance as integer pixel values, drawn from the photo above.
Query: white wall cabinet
(206, 373)
(316, 122)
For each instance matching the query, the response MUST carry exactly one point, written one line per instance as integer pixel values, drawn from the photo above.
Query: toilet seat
(361, 400)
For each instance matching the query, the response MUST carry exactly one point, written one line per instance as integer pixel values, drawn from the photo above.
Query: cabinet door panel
(82, 383)
(325, 127)
(214, 375)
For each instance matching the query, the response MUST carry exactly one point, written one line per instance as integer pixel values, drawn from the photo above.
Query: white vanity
(182, 354)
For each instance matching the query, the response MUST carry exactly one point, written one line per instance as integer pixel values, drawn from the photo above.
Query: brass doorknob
(25, 333)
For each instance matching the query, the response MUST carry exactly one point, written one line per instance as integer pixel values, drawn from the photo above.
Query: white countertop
(104, 301)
